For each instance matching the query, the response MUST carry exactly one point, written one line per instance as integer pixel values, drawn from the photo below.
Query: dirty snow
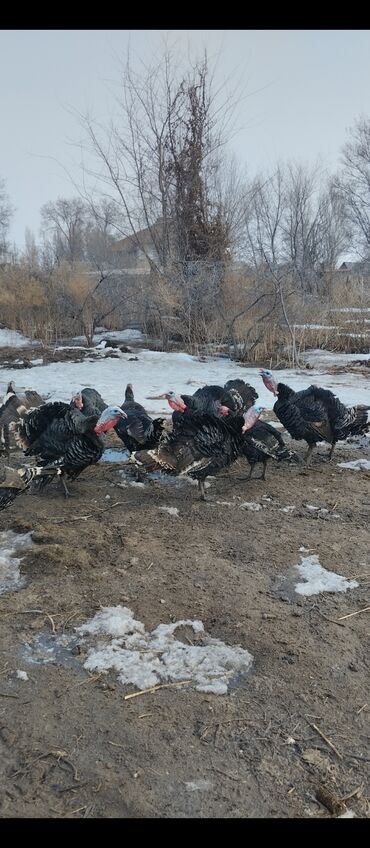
(10, 545)
(326, 357)
(155, 372)
(22, 675)
(357, 464)
(172, 510)
(318, 579)
(13, 338)
(146, 659)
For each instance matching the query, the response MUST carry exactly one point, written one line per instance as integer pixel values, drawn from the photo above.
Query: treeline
(230, 259)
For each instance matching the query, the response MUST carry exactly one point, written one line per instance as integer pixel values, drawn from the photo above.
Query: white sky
(301, 90)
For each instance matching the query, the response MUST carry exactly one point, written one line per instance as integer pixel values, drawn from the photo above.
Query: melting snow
(12, 338)
(22, 675)
(201, 785)
(156, 371)
(356, 464)
(10, 544)
(147, 659)
(251, 505)
(172, 510)
(318, 579)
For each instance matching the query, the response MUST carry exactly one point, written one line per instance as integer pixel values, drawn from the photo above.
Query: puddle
(49, 648)
(115, 455)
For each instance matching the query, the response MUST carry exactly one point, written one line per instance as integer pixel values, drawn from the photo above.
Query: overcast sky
(304, 89)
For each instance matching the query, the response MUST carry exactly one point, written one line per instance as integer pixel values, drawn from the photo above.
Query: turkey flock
(208, 431)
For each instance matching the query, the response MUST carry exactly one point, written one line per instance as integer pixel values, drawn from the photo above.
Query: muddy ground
(72, 746)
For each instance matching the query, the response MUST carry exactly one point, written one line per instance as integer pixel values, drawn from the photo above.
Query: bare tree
(62, 225)
(158, 164)
(353, 183)
(6, 212)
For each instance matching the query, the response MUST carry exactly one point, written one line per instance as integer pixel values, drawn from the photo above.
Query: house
(133, 253)
(359, 269)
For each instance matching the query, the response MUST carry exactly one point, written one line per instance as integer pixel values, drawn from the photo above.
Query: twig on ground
(325, 738)
(155, 688)
(350, 614)
(60, 520)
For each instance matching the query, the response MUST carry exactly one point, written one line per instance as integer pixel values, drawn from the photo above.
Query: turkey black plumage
(263, 442)
(138, 430)
(315, 414)
(235, 398)
(16, 481)
(92, 402)
(13, 405)
(199, 445)
(60, 435)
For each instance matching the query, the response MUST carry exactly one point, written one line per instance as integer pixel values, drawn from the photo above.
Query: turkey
(138, 430)
(12, 405)
(65, 439)
(235, 398)
(15, 481)
(200, 444)
(209, 402)
(315, 414)
(92, 402)
(243, 394)
(261, 442)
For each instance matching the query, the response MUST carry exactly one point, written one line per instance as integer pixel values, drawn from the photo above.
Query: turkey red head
(269, 380)
(108, 419)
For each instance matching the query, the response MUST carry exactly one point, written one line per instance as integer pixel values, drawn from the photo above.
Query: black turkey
(235, 398)
(16, 481)
(65, 438)
(315, 414)
(199, 445)
(92, 402)
(13, 404)
(138, 430)
(263, 442)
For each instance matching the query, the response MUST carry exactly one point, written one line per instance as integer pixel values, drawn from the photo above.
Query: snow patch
(157, 371)
(201, 785)
(22, 675)
(13, 338)
(251, 505)
(10, 544)
(318, 579)
(146, 659)
(356, 464)
(172, 510)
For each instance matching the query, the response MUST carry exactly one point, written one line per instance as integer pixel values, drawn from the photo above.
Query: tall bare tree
(6, 213)
(353, 183)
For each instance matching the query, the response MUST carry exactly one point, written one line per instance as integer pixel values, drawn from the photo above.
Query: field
(285, 737)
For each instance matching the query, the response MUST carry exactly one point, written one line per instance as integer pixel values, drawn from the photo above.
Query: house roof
(143, 236)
